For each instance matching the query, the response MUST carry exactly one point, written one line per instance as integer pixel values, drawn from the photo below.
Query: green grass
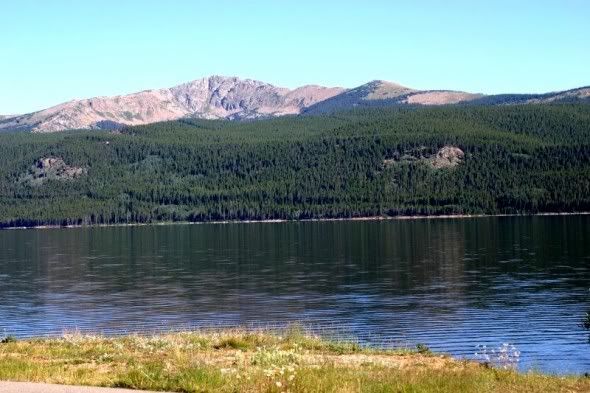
(245, 361)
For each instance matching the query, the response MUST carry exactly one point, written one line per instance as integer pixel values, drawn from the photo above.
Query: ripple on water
(450, 284)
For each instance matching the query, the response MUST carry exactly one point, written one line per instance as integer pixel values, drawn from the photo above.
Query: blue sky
(54, 51)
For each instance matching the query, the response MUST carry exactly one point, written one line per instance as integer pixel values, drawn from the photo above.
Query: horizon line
(278, 85)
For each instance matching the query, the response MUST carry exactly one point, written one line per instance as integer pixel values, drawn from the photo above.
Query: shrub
(8, 340)
(422, 348)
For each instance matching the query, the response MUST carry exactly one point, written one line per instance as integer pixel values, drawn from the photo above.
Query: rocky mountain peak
(213, 97)
(229, 97)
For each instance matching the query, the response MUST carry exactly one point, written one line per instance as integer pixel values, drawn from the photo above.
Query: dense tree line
(518, 159)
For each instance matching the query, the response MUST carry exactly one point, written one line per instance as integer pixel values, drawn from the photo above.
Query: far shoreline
(275, 221)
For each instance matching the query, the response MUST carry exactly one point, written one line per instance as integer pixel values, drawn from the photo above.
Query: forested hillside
(383, 161)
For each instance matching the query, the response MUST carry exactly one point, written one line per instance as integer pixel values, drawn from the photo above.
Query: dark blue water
(448, 283)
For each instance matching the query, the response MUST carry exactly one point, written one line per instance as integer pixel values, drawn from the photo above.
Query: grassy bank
(240, 361)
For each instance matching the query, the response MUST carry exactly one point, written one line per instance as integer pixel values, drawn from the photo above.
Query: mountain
(383, 93)
(219, 97)
(581, 95)
(506, 159)
(215, 97)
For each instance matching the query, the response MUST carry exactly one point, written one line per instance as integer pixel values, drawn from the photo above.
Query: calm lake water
(448, 283)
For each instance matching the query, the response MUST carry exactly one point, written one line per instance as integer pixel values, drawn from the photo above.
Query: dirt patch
(390, 361)
(231, 358)
(440, 97)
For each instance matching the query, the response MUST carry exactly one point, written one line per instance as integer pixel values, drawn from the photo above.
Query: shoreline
(275, 221)
(258, 361)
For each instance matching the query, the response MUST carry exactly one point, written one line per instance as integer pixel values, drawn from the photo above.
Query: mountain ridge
(222, 97)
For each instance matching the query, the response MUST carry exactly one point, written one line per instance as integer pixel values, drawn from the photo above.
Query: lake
(448, 283)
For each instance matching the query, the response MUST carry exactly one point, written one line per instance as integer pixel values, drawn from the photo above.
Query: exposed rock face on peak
(219, 97)
(215, 97)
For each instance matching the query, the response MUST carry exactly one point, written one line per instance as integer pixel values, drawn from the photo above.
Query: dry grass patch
(245, 361)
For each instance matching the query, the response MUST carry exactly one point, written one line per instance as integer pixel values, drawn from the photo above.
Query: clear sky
(58, 50)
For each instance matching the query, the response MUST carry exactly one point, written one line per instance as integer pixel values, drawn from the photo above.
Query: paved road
(27, 387)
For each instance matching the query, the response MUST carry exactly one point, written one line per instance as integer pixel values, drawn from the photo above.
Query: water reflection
(451, 284)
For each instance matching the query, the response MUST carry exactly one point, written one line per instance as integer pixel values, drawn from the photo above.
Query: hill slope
(232, 98)
(579, 95)
(365, 162)
(382, 93)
